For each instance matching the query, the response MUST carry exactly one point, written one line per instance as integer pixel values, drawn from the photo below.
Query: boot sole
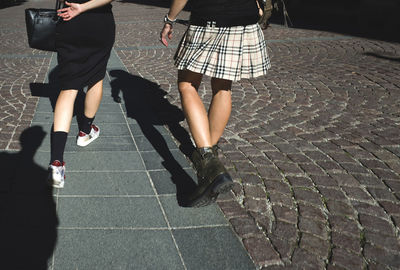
(222, 184)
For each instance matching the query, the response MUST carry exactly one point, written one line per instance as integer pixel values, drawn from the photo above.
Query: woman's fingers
(166, 32)
(164, 42)
(62, 10)
(164, 39)
(70, 12)
(63, 14)
(66, 15)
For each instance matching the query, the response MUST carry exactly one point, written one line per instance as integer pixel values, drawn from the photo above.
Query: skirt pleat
(229, 53)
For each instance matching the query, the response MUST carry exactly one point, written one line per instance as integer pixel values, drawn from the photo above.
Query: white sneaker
(57, 174)
(84, 139)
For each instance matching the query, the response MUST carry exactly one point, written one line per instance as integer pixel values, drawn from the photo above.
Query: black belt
(224, 22)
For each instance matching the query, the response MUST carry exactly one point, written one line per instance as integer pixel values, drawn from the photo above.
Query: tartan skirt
(229, 53)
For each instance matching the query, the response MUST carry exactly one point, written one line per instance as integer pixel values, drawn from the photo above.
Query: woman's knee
(218, 85)
(187, 88)
(188, 81)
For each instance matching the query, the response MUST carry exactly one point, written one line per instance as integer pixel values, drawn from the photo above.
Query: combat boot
(213, 178)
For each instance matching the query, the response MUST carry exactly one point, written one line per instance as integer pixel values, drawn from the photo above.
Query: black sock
(85, 124)
(57, 145)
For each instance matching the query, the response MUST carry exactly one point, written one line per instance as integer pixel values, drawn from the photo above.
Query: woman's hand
(166, 32)
(70, 12)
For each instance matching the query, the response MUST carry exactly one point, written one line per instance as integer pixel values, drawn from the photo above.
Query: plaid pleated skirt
(229, 53)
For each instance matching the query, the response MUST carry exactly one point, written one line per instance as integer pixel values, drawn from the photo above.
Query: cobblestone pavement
(313, 147)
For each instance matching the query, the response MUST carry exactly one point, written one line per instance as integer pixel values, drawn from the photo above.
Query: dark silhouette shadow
(145, 102)
(10, 3)
(49, 90)
(363, 18)
(28, 219)
(381, 56)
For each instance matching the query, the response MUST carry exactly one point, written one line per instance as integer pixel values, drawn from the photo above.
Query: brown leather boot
(213, 178)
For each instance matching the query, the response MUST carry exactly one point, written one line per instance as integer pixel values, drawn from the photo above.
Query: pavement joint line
(200, 226)
(102, 151)
(115, 196)
(97, 151)
(127, 171)
(116, 228)
(146, 228)
(114, 53)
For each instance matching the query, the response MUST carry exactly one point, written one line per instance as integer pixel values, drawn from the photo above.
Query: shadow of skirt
(230, 53)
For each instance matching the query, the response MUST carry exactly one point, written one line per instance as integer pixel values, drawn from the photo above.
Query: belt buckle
(211, 23)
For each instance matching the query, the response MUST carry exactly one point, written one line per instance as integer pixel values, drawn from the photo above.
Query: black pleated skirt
(83, 48)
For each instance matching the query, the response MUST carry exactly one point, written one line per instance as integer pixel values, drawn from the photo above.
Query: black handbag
(41, 27)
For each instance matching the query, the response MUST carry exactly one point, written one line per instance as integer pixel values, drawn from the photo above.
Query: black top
(245, 11)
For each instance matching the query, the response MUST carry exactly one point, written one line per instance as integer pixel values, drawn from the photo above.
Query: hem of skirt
(64, 87)
(229, 78)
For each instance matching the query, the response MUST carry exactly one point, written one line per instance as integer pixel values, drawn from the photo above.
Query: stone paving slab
(211, 245)
(107, 249)
(108, 183)
(110, 212)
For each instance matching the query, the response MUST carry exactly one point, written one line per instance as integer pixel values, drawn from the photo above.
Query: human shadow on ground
(49, 89)
(146, 103)
(28, 219)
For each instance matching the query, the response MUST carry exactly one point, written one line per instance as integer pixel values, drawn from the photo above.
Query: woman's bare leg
(213, 178)
(64, 110)
(193, 107)
(220, 108)
(93, 99)
(61, 124)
